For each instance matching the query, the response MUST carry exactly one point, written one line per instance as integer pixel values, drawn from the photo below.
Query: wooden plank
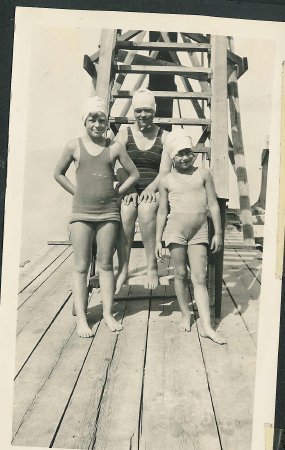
(35, 319)
(175, 46)
(89, 66)
(79, 424)
(170, 70)
(219, 257)
(84, 406)
(240, 164)
(197, 37)
(137, 85)
(195, 61)
(39, 367)
(205, 86)
(244, 288)
(219, 116)
(163, 120)
(176, 410)
(231, 371)
(120, 406)
(125, 36)
(49, 292)
(165, 94)
(43, 277)
(104, 70)
(128, 58)
(41, 420)
(32, 269)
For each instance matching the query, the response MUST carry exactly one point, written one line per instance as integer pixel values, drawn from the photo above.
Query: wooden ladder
(210, 62)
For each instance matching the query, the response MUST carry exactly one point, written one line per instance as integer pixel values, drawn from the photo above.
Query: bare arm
(66, 158)
(128, 165)
(161, 215)
(214, 210)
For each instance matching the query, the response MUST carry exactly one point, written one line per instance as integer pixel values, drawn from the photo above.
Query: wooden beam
(164, 94)
(197, 37)
(128, 59)
(104, 71)
(126, 36)
(219, 117)
(89, 66)
(137, 85)
(164, 46)
(163, 120)
(199, 111)
(191, 72)
(195, 61)
(240, 165)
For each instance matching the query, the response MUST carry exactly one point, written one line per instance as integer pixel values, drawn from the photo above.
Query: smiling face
(184, 159)
(144, 117)
(96, 124)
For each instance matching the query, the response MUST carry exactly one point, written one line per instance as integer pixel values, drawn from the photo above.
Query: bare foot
(185, 323)
(211, 334)
(112, 324)
(151, 281)
(121, 280)
(83, 329)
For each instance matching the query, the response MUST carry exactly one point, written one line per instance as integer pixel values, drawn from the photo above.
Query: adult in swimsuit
(144, 143)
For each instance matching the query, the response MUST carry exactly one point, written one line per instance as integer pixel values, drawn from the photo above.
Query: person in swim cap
(95, 208)
(188, 192)
(144, 142)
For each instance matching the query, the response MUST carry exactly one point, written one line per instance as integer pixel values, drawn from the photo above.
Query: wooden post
(240, 166)
(103, 88)
(219, 151)
(105, 65)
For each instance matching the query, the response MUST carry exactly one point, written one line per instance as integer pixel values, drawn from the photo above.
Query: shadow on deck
(148, 387)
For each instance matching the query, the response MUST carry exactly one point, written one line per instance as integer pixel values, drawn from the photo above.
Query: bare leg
(105, 238)
(179, 258)
(81, 237)
(198, 261)
(125, 241)
(147, 220)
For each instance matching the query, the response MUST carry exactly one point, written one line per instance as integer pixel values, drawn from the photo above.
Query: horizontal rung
(130, 45)
(164, 70)
(166, 94)
(163, 121)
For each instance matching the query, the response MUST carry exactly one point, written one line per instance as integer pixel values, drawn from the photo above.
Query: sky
(58, 86)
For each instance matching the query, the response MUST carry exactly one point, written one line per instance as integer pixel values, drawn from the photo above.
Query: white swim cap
(176, 140)
(143, 98)
(93, 105)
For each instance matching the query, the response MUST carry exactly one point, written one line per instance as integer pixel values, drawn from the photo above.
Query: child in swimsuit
(95, 209)
(189, 191)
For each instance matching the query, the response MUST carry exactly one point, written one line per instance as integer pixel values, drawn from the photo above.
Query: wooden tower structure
(206, 70)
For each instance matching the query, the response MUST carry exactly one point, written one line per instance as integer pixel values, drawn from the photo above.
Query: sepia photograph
(142, 201)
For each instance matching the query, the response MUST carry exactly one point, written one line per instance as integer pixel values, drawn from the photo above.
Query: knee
(82, 267)
(105, 265)
(180, 273)
(198, 278)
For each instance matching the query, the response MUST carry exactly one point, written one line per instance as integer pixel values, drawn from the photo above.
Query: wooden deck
(148, 387)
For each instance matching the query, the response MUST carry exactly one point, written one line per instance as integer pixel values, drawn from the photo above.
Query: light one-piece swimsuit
(187, 222)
